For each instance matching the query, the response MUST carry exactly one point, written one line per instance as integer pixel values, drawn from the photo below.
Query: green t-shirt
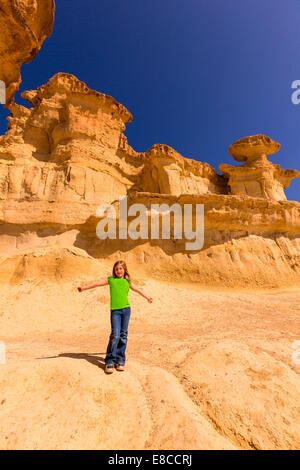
(119, 288)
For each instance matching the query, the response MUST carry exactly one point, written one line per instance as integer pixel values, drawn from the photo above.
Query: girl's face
(119, 270)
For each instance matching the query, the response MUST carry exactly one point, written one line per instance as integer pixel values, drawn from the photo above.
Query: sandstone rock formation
(24, 25)
(257, 177)
(67, 154)
(167, 172)
(206, 368)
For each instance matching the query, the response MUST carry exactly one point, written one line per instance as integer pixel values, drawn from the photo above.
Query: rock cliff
(67, 154)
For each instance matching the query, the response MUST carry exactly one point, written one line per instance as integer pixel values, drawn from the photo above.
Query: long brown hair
(126, 273)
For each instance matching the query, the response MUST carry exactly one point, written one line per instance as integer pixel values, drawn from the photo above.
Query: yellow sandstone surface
(24, 25)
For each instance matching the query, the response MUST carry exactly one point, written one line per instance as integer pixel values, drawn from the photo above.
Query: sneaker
(120, 366)
(109, 369)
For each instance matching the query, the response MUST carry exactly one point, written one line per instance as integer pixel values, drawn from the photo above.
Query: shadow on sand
(93, 358)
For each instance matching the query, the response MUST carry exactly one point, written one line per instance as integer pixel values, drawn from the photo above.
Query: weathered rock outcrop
(62, 158)
(24, 25)
(70, 150)
(166, 171)
(257, 177)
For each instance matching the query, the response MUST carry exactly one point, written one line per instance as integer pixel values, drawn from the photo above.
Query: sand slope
(205, 369)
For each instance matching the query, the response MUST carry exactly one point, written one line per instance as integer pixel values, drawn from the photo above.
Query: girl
(120, 310)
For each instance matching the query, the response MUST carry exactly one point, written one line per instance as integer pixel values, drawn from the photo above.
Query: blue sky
(195, 74)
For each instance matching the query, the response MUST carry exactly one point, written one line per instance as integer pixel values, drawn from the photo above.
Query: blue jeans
(115, 353)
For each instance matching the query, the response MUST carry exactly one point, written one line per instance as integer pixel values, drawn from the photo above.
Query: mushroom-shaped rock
(253, 147)
(66, 147)
(71, 120)
(257, 177)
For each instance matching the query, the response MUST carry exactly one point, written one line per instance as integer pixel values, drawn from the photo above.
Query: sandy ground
(204, 369)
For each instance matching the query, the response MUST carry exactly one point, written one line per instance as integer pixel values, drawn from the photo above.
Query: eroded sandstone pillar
(257, 177)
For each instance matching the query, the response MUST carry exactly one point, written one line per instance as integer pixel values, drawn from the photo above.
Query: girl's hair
(126, 273)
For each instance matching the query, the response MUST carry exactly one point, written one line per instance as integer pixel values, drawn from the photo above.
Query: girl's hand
(150, 300)
(80, 289)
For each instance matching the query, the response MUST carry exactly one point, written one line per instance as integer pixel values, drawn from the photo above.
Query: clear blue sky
(196, 74)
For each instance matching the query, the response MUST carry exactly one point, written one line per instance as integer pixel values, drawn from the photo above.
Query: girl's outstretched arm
(102, 282)
(136, 289)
